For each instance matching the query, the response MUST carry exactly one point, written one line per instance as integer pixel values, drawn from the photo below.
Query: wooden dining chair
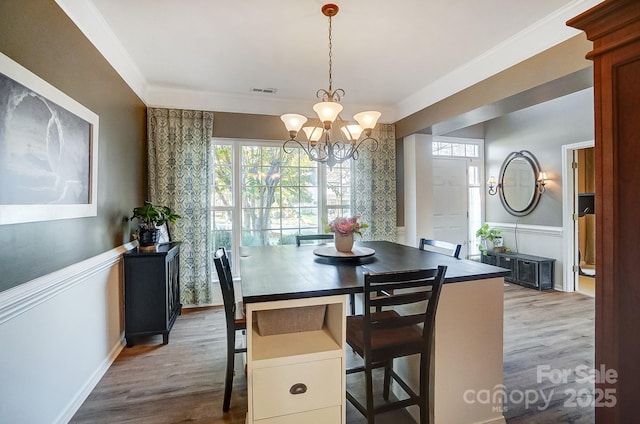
(234, 314)
(379, 337)
(438, 246)
(312, 237)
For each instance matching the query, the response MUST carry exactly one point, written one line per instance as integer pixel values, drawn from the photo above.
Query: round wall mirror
(517, 185)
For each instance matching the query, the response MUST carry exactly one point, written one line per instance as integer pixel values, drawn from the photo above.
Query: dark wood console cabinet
(151, 291)
(526, 270)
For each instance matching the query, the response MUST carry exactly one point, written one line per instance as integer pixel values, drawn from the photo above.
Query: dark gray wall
(39, 36)
(543, 130)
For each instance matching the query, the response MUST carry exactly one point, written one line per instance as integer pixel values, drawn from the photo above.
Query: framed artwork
(48, 150)
(163, 234)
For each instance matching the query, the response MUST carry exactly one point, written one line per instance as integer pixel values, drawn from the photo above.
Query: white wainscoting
(538, 240)
(59, 334)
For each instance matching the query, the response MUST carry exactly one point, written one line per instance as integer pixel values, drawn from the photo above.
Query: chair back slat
(439, 246)
(311, 237)
(397, 322)
(383, 280)
(400, 299)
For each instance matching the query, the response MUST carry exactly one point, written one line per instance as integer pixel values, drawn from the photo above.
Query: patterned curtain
(178, 147)
(375, 186)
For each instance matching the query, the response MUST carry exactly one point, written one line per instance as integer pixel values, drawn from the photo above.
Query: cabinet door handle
(298, 389)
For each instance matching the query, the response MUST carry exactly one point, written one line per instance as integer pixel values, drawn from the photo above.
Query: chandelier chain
(330, 59)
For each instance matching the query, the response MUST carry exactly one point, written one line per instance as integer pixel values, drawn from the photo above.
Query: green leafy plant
(151, 216)
(485, 233)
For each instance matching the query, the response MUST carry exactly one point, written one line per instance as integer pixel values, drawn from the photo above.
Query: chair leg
(369, 387)
(228, 380)
(423, 414)
(387, 379)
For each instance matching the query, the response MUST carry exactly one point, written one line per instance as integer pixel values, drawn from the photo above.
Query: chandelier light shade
(327, 111)
(293, 122)
(334, 141)
(313, 133)
(367, 120)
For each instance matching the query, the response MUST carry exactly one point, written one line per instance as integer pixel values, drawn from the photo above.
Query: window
(338, 190)
(457, 149)
(223, 199)
(263, 196)
(279, 193)
(475, 206)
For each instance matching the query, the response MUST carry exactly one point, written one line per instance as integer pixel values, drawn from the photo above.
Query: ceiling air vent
(264, 90)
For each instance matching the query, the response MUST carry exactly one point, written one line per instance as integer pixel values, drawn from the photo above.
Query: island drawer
(291, 389)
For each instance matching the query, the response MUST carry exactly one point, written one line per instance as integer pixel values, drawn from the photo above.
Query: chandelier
(334, 141)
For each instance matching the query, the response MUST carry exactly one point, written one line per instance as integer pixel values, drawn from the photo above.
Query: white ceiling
(394, 56)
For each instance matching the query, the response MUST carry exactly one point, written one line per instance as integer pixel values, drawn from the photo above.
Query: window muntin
(455, 149)
(261, 195)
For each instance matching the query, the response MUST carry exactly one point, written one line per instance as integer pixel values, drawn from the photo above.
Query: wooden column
(614, 28)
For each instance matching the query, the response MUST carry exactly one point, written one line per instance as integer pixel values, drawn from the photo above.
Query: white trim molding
(20, 299)
(537, 240)
(569, 194)
(525, 228)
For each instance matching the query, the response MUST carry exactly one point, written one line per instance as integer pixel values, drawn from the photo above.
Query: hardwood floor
(182, 382)
(554, 331)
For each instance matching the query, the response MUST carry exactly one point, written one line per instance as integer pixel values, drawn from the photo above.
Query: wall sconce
(493, 185)
(542, 177)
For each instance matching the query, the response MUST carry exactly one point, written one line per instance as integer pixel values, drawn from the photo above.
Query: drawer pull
(298, 389)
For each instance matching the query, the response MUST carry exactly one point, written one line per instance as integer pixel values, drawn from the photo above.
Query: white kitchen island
(301, 375)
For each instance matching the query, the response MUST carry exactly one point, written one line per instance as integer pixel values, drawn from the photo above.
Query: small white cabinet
(299, 376)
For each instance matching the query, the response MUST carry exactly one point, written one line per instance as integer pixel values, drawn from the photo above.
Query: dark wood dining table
(289, 272)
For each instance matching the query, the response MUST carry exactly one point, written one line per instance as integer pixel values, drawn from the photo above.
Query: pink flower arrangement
(345, 226)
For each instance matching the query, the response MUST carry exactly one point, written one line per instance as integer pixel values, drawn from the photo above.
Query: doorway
(450, 202)
(457, 190)
(579, 217)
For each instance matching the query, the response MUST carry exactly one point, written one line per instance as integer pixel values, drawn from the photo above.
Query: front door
(450, 203)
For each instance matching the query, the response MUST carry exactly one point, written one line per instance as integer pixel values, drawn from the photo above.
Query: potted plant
(343, 229)
(150, 217)
(488, 234)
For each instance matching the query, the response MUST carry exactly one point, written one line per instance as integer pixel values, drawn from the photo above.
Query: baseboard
(74, 405)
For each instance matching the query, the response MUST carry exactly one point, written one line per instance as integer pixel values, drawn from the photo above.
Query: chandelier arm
(373, 146)
(315, 155)
(292, 149)
(323, 95)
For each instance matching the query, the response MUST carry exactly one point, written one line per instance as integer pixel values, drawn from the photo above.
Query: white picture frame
(163, 233)
(48, 150)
